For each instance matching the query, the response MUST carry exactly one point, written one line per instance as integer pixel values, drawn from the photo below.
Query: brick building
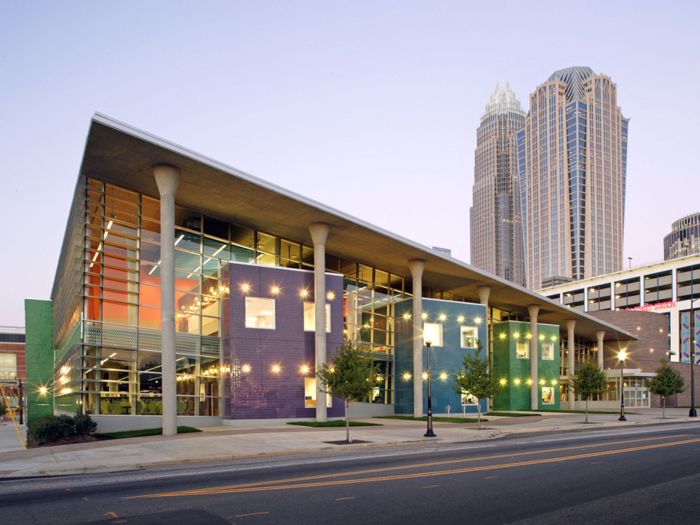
(645, 354)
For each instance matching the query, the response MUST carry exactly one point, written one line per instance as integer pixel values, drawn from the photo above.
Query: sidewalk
(227, 443)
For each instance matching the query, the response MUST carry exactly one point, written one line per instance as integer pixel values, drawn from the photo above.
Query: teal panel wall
(39, 334)
(444, 360)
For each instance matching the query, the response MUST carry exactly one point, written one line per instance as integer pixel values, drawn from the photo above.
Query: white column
(534, 309)
(417, 266)
(319, 234)
(600, 334)
(570, 346)
(167, 178)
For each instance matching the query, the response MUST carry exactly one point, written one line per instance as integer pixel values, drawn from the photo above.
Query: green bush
(66, 426)
(84, 424)
(43, 429)
(49, 428)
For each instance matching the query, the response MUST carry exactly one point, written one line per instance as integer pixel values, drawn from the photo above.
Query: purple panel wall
(261, 393)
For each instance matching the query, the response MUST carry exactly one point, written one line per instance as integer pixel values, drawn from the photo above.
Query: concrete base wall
(123, 423)
(365, 410)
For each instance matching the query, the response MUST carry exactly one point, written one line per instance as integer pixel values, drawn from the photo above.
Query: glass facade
(495, 220)
(572, 162)
(107, 357)
(684, 238)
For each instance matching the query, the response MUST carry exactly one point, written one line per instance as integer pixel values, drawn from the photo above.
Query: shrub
(44, 429)
(84, 424)
(48, 428)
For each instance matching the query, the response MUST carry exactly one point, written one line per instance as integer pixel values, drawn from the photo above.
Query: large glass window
(259, 313)
(522, 350)
(468, 336)
(547, 351)
(8, 366)
(432, 332)
(547, 395)
(309, 322)
(310, 394)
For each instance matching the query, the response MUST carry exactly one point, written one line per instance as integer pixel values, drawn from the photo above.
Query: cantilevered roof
(123, 155)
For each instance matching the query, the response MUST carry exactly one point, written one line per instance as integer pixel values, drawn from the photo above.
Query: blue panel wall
(446, 359)
(261, 393)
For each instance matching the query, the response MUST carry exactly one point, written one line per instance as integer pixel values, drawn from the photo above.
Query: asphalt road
(652, 476)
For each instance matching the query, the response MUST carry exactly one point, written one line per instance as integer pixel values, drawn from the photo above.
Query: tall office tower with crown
(572, 164)
(496, 242)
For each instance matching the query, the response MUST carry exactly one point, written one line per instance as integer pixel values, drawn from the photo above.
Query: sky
(370, 107)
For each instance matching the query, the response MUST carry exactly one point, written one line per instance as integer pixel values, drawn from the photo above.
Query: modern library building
(187, 289)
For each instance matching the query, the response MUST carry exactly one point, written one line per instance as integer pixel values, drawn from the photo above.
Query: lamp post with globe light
(429, 432)
(622, 356)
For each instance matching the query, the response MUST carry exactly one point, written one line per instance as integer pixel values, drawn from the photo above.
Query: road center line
(277, 485)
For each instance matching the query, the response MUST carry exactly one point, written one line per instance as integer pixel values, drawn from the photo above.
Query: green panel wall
(39, 335)
(514, 373)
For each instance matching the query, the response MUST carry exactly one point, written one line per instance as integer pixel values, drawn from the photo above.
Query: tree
(668, 382)
(349, 376)
(476, 378)
(590, 380)
(3, 410)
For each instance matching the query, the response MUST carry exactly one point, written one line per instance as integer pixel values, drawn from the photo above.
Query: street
(648, 476)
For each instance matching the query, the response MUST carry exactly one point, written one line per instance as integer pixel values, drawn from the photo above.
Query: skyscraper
(494, 218)
(572, 157)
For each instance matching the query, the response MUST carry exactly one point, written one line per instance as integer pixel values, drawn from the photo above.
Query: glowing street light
(622, 356)
(429, 432)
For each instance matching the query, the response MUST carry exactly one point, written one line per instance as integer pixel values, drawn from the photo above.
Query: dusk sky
(368, 106)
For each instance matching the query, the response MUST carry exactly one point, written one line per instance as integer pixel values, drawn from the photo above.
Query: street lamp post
(693, 342)
(429, 432)
(621, 356)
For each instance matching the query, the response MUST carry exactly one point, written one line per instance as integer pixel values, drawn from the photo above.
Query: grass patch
(583, 411)
(512, 414)
(144, 432)
(435, 419)
(337, 423)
